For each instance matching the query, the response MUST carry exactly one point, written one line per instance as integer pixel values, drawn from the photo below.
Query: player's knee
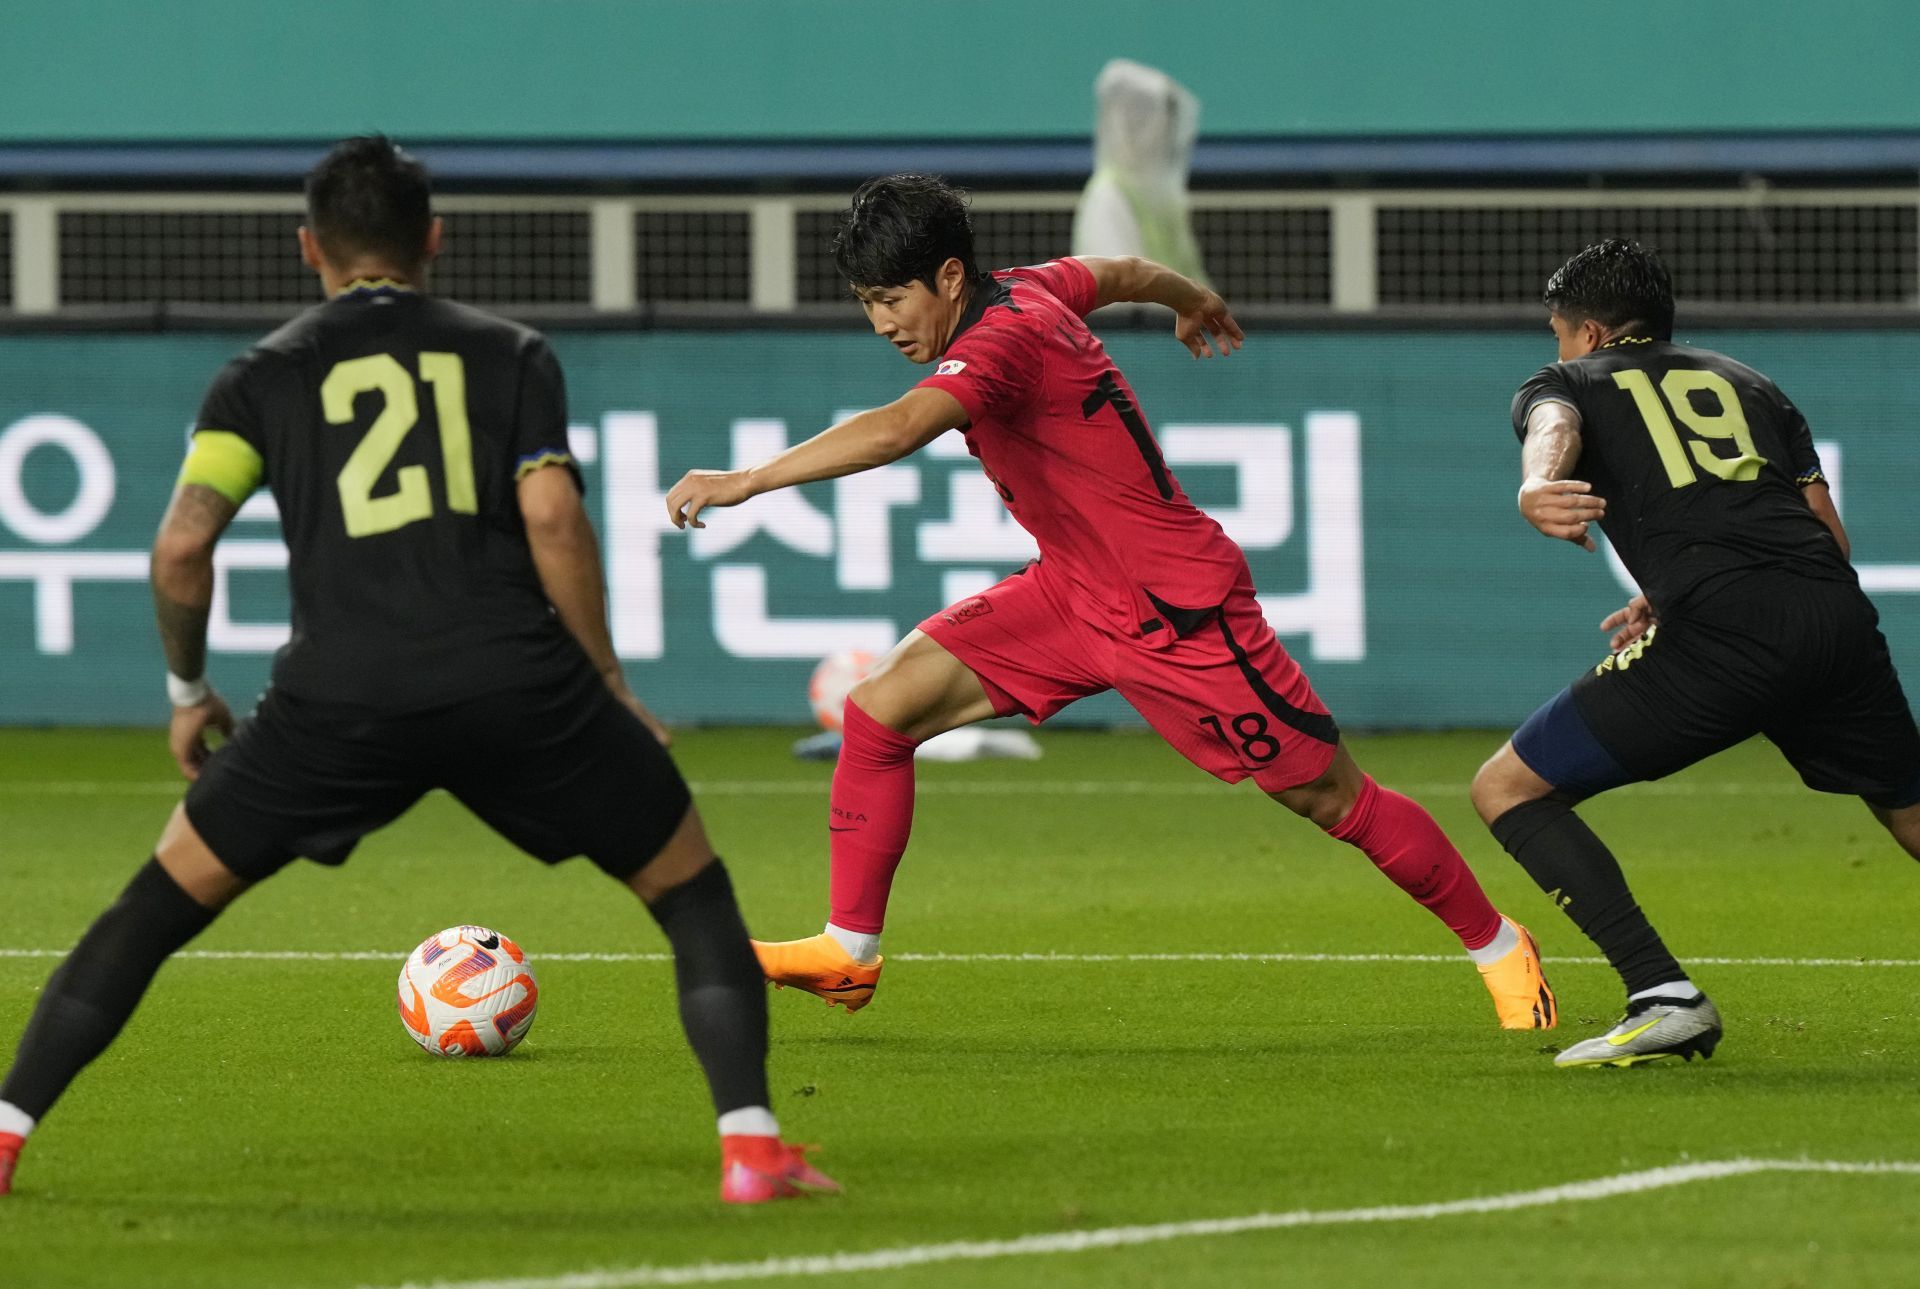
(1903, 823)
(685, 854)
(1486, 793)
(1503, 783)
(897, 690)
(193, 866)
(1326, 807)
(1329, 799)
(901, 703)
(1324, 802)
(878, 695)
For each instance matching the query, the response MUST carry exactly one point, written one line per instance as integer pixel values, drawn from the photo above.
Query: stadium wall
(183, 70)
(1370, 475)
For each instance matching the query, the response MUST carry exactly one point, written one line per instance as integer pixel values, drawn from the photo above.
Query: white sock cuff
(15, 1120)
(1504, 942)
(1680, 990)
(749, 1121)
(860, 946)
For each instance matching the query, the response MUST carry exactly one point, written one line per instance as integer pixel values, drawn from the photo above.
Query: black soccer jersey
(393, 428)
(1700, 460)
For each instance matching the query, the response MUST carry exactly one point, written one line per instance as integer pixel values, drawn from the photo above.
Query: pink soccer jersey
(1056, 427)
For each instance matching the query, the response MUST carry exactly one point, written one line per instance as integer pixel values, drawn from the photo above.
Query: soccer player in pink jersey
(1135, 590)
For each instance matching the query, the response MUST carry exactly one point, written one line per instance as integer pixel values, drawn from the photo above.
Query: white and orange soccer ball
(833, 680)
(468, 991)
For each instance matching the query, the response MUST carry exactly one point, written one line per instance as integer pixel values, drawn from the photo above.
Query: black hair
(1614, 283)
(368, 197)
(901, 229)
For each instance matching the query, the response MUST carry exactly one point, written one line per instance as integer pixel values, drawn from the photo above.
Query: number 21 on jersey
(412, 500)
(1679, 386)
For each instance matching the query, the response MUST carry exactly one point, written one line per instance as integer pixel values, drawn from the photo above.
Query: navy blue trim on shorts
(1558, 745)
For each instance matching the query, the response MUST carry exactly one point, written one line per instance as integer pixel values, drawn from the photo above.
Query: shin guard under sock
(90, 996)
(723, 997)
(872, 817)
(1578, 873)
(1406, 844)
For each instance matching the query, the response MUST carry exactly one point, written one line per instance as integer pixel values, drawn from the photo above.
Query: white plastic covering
(1136, 202)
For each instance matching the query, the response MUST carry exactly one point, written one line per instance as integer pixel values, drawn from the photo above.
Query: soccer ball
(468, 991)
(833, 680)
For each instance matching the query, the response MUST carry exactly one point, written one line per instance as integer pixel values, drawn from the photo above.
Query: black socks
(91, 994)
(1578, 873)
(723, 996)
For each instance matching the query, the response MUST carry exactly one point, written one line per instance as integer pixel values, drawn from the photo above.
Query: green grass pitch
(265, 1122)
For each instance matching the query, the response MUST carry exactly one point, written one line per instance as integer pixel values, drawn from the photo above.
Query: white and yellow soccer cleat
(1653, 1029)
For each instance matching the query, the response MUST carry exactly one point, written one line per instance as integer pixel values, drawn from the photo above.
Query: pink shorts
(1225, 695)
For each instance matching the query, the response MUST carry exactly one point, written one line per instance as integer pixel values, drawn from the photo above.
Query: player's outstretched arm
(182, 577)
(1558, 506)
(566, 555)
(863, 442)
(1204, 324)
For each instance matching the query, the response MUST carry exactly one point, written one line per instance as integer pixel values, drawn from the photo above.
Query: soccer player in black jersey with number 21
(449, 631)
(1750, 618)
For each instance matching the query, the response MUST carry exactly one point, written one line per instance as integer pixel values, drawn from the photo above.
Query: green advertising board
(1369, 475)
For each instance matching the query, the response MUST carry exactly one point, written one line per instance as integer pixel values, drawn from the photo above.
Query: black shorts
(558, 768)
(1799, 661)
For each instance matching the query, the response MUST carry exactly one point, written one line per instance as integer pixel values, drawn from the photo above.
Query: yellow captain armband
(225, 462)
(526, 465)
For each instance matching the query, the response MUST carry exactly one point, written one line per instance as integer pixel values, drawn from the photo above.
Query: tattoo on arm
(198, 512)
(183, 635)
(1552, 448)
(183, 574)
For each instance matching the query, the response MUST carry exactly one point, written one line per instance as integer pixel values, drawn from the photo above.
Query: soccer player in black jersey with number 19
(1750, 618)
(449, 631)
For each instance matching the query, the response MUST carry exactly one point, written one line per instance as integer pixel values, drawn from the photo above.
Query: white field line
(1181, 787)
(395, 955)
(1114, 1237)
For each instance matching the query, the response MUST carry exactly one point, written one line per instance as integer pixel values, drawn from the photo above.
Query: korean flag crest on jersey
(951, 367)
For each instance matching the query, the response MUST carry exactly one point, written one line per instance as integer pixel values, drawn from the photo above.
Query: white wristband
(187, 693)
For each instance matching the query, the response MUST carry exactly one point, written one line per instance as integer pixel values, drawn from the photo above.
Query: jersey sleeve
(227, 450)
(992, 370)
(1066, 280)
(1802, 458)
(231, 404)
(1548, 385)
(540, 418)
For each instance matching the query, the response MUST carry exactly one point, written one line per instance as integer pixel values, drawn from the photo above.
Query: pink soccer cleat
(754, 1170)
(10, 1145)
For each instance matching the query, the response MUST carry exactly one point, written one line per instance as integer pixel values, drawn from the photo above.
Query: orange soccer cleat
(10, 1144)
(1519, 987)
(754, 1170)
(819, 965)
